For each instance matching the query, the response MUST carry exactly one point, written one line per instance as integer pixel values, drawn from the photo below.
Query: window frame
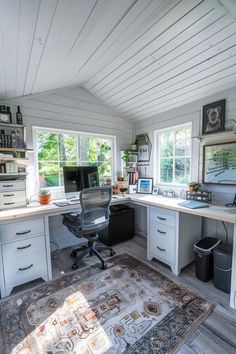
(36, 129)
(156, 165)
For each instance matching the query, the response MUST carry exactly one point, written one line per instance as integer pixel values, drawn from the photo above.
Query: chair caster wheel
(73, 254)
(103, 266)
(112, 253)
(75, 266)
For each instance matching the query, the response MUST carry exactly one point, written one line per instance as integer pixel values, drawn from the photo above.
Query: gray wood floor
(216, 335)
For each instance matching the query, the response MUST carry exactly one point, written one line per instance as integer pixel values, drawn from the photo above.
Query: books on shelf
(132, 177)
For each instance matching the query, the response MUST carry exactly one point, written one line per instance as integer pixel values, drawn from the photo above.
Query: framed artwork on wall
(213, 117)
(145, 185)
(219, 163)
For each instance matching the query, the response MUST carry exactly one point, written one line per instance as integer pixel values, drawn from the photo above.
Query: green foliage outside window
(56, 150)
(175, 156)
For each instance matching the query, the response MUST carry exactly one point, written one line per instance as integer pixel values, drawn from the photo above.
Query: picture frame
(219, 163)
(5, 118)
(155, 190)
(213, 119)
(145, 185)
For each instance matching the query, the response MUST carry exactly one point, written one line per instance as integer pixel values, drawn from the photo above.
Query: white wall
(72, 109)
(193, 113)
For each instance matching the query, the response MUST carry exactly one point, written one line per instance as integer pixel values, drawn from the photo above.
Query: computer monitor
(77, 178)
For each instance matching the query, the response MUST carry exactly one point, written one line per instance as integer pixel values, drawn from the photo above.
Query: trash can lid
(224, 248)
(206, 244)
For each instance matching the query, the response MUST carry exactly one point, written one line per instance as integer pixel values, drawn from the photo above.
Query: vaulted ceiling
(140, 57)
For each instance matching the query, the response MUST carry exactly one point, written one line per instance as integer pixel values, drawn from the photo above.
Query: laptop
(194, 204)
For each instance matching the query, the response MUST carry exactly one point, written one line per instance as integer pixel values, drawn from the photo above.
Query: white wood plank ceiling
(140, 57)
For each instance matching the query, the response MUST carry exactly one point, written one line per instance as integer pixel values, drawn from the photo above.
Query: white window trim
(156, 162)
(78, 133)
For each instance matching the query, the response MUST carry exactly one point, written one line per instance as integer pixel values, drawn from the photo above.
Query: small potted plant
(126, 157)
(194, 186)
(44, 196)
(134, 146)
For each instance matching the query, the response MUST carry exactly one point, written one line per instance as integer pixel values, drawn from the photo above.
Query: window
(56, 149)
(174, 155)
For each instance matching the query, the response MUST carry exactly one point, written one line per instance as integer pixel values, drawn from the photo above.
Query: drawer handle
(161, 232)
(160, 218)
(30, 266)
(24, 247)
(9, 203)
(8, 195)
(7, 185)
(23, 232)
(161, 249)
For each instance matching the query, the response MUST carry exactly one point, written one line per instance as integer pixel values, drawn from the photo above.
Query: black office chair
(93, 218)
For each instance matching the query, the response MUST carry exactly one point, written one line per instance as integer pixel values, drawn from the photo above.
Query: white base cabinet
(24, 253)
(171, 236)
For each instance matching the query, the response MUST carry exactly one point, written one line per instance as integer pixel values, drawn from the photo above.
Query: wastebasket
(204, 257)
(121, 225)
(222, 259)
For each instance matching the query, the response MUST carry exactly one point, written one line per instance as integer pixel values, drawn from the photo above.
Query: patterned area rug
(128, 308)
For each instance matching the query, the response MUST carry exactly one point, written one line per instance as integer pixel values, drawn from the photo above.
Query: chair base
(91, 249)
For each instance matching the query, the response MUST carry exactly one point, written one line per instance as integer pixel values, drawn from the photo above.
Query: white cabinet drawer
(22, 229)
(23, 248)
(12, 199)
(12, 185)
(162, 231)
(162, 216)
(25, 269)
(162, 242)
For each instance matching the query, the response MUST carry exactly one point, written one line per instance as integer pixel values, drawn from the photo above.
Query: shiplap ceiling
(140, 57)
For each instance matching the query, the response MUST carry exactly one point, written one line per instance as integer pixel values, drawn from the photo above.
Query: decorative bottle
(19, 119)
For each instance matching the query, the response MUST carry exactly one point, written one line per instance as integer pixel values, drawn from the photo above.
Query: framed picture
(145, 185)
(213, 117)
(155, 190)
(219, 163)
(5, 118)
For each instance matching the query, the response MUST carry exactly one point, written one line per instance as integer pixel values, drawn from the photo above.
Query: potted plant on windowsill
(44, 196)
(194, 186)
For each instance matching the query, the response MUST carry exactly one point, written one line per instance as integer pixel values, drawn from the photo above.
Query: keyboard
(61, 204)
(65, 203)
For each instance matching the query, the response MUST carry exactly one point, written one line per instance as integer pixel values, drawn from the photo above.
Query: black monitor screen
(77, 178)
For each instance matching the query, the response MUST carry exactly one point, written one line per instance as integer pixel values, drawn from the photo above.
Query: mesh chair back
(95, 204)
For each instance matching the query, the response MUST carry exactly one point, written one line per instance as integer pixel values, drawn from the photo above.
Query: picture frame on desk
(5, 118)
(145, 185)
(155, 190)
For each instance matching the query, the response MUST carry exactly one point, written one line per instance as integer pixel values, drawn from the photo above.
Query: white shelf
(214, 135)
(8, 176)
(6, 159)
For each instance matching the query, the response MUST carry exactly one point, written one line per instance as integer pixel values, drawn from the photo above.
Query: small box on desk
(120, 187)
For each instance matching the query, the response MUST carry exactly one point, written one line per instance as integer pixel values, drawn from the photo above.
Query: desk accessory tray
(201, 196)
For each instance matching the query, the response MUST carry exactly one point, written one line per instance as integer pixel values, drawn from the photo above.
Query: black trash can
(222, 259)
(204, 257)
(121, 225)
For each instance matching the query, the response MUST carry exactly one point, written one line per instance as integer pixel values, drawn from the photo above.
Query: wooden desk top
(215, 212)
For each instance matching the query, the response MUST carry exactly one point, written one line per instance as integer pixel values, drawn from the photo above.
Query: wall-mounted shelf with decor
(223, 134)
(13, 165)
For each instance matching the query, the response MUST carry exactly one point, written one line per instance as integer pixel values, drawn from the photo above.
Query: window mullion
(174, 153)
(78, 150)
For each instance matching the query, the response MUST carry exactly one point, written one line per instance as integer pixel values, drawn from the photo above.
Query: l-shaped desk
(171, 232)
